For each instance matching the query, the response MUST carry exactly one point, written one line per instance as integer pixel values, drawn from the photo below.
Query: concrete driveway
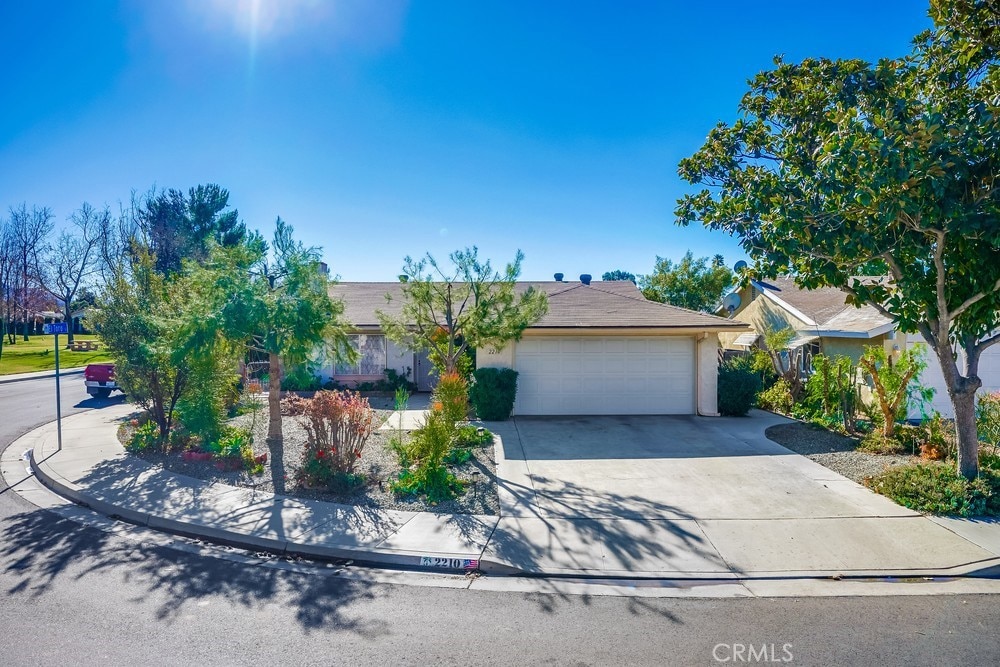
(693, 496)
(672, 467)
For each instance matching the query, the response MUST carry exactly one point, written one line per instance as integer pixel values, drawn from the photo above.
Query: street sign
(56, 328)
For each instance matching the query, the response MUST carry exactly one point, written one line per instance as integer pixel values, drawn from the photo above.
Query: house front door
(424, 373)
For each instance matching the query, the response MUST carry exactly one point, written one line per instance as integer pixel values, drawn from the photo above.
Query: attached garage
(601, 349)
(606, 375)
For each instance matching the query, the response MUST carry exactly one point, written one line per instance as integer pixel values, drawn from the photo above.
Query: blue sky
(381, 129)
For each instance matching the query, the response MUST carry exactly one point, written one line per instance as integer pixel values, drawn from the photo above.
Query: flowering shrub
(337, 425)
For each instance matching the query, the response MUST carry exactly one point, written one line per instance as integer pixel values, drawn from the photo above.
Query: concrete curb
(985, 569)
(407, 554)
(21, 377)
(364, 555)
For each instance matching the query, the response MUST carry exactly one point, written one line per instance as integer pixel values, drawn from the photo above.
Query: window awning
(746, 339)
(800, 340)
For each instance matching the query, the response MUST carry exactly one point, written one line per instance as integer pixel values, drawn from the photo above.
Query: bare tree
(7, 278)
(29, 230)
(73, 260)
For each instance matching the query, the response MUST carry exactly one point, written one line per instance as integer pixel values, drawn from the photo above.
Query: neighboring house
(601, 349)
(822, 319)
(825, 323)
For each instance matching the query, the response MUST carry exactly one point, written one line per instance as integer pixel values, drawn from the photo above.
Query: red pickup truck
(100, 380)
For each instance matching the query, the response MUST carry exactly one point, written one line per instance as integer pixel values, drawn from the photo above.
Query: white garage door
(605, 376)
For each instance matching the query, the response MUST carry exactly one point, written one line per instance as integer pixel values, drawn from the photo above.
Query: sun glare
(259, 19)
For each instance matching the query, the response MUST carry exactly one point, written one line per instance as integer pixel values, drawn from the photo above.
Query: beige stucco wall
(504, 358)
(852, 347)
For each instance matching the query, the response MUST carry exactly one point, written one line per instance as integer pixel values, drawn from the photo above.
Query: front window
(371, 356)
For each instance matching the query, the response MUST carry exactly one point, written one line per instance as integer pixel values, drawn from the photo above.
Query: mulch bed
(378, 463)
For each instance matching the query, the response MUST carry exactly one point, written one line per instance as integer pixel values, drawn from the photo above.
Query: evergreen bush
(493, 393)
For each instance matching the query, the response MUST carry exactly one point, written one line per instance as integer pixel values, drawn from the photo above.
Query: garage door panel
(605, 375)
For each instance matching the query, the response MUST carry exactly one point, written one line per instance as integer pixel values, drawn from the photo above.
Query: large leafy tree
(838, 166)
(275, 298)
(470, 305)
(140, 316)
(691, 283)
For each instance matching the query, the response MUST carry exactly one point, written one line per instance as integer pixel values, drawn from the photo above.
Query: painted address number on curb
(450, 563)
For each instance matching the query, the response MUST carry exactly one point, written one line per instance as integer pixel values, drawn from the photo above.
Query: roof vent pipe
(585, 278)
(558, 277)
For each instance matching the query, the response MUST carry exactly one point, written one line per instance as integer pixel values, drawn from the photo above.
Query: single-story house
(825, 323)
(602, 349)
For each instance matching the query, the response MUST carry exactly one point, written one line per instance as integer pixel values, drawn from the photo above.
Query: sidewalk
(17, 377)
(93, 470)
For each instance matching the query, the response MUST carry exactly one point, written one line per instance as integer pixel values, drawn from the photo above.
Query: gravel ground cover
(379, 464)
(835, 451)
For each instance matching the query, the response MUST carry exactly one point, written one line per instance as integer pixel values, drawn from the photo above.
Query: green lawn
(38, 354)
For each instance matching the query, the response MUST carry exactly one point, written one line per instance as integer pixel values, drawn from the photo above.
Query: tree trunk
(962, 391)
(968, 437)
(69, 322)
(275, 439)
(274, 398)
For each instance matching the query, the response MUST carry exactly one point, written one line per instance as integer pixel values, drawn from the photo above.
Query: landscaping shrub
(878, 442)
(760, 362)
(890, 378)
(493, 393)
(468, 435)
(301, 378)
(988, 418)
(937, 488)
(205, 406)
(426, 451)
(830, 397)
(778, 398)
(234, 442)
(937, 440)
(432, 441)
(458, 456)
(144, 438)
(337, 427)
(738, 387)
(452, 395)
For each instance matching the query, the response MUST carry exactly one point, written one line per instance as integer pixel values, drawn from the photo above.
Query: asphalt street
(71, 594)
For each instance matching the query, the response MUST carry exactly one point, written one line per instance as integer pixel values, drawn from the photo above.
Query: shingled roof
(827, 307)
(572, 305)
